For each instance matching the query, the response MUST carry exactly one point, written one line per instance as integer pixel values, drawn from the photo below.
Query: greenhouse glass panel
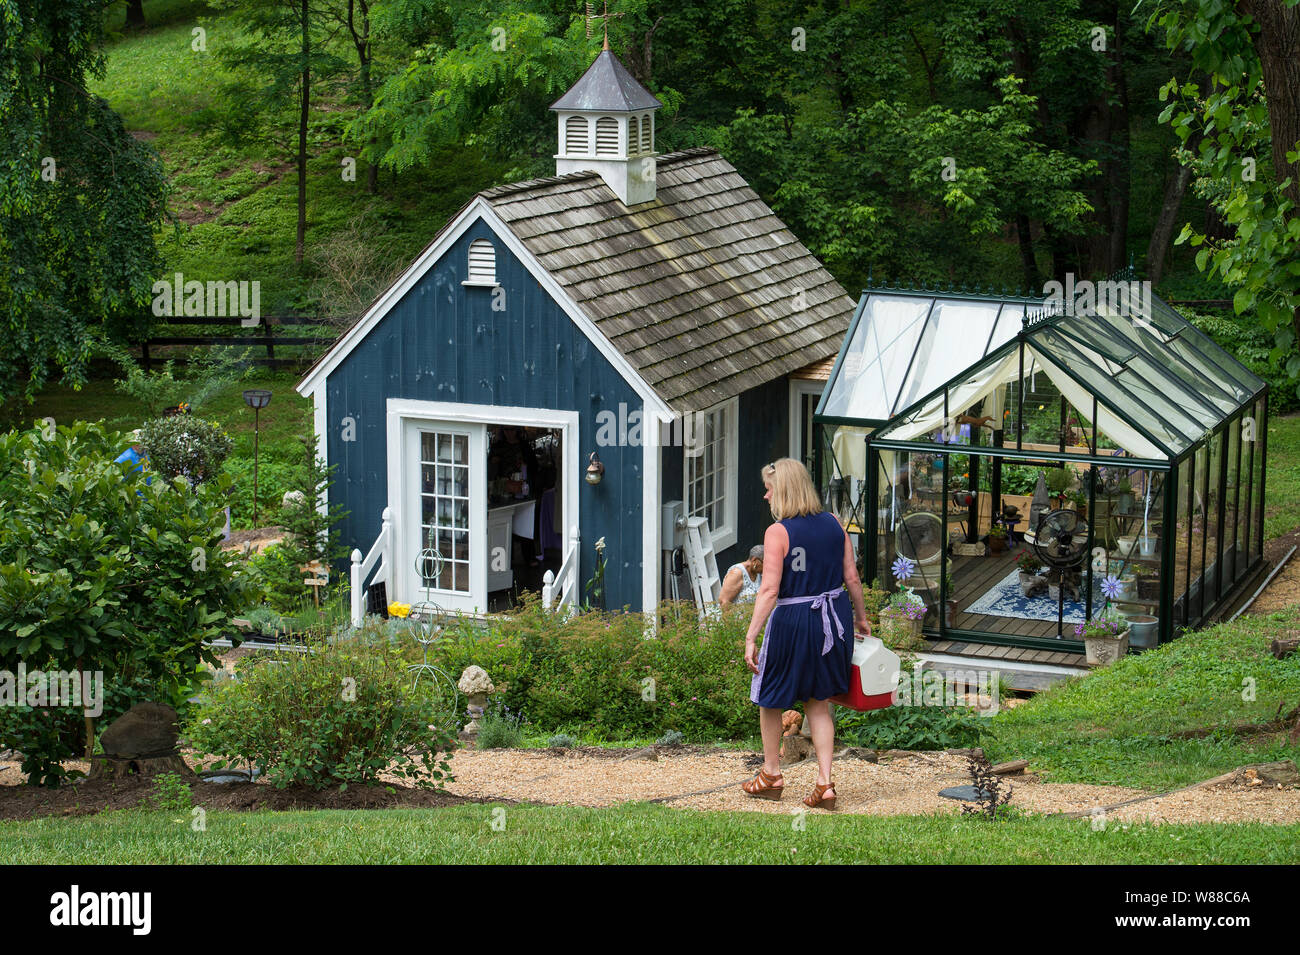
(876, 359)
(946, 346)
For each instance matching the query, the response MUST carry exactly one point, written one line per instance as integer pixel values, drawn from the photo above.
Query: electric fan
(919, 538)
(1060, 542)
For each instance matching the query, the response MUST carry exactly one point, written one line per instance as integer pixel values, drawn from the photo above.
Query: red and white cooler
(873, 681)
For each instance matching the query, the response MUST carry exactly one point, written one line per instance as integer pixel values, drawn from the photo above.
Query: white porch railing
(381, 554)
(561, 590)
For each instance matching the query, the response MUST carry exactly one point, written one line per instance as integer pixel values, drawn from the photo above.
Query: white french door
(444, 514)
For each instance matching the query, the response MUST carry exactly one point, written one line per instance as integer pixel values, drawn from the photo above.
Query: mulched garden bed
(91, 796)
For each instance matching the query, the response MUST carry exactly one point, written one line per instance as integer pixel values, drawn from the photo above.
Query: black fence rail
(263, 336)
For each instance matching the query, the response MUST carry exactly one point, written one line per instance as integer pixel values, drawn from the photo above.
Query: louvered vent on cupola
(607, 136)
(576, 138)
(482, 263)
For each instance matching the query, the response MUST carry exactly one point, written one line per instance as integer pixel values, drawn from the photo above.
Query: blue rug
(1005, 599)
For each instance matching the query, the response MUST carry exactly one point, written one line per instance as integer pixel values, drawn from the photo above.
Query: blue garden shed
(642, 314)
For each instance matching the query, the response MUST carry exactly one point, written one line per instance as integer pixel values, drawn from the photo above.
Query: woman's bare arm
(775, 543)
(853, 583)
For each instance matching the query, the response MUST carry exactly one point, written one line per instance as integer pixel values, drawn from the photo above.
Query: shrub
(910, 727)
(498, 728)
(671, 738)
(333, 716)
(171, 793)
(100, 571)
(561, 741)
(185, 446)
(598, 672)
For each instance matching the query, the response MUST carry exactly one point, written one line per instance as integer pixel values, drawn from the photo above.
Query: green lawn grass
(1114, 726)
(1282, 480)
(629, 833)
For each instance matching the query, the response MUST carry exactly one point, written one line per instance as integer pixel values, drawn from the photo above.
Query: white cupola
(607, 126)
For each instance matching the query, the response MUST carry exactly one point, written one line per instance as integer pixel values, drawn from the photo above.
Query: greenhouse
(1024, 465)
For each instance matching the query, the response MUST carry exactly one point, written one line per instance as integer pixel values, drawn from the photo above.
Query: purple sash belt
(820, 602)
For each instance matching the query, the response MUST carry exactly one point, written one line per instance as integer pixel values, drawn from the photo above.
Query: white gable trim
(478, 209)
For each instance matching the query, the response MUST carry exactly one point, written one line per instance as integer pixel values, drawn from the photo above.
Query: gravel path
(907, 785)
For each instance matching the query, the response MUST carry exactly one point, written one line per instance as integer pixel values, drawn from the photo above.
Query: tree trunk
(1277, 43)
(302, 135)
(1162, 236)
(134, 14)
(1118, 176)
(1027, 260)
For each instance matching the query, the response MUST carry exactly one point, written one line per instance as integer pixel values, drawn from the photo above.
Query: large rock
(145, 731)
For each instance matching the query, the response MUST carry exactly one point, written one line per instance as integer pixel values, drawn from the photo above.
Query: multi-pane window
(444, 511)
(710, 448)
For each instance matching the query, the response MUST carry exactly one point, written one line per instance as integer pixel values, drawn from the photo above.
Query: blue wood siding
(764, 437)
(443, 342)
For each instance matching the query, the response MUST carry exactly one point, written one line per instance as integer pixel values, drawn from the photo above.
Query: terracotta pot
(997, 545)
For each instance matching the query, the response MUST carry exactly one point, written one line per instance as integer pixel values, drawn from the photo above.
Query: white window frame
(798, 388)
(724, 535)
(469, 257)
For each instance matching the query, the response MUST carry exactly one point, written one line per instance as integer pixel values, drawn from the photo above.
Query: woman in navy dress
(808, 607)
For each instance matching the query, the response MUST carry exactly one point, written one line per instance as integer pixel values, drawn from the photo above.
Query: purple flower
(1111, 587)
(903, 568)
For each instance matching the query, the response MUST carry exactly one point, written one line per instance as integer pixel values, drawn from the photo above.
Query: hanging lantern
(595, 470)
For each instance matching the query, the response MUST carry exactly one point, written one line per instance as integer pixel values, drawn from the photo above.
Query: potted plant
(1125, 492)
(1148, 583)
(1030, 566)
(1105, 638)
(997, 539)
(900, 621)
(951, 602)
(1058, 482)
(1080, 502)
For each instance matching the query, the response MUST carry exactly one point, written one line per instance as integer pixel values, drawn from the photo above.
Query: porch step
(1020, 668)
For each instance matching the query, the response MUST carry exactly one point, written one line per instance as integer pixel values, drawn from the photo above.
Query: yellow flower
(399, 610)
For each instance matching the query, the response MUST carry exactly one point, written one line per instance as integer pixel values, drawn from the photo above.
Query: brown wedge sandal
(819, 799)
(764, 786)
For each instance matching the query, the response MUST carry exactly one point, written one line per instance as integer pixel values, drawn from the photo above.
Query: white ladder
(703, 565)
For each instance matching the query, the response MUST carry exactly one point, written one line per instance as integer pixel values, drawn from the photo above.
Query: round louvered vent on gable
(607, 136)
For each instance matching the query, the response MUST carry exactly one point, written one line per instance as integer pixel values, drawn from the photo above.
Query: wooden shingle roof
(704, 289)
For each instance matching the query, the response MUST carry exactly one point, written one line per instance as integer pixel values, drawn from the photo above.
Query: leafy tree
(80, 200)
(1245, 125)
(285, 51)
(100, 571)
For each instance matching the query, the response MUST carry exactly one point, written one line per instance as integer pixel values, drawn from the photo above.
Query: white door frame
(400, 411)
(798, 388)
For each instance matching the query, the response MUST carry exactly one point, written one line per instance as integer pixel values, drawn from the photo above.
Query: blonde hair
(793, 493)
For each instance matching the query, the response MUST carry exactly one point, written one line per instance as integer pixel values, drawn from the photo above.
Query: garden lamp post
(257, 399)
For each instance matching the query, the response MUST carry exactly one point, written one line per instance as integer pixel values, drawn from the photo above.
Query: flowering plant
(907, 604)
(1028, 563)
(903, 568)
(1108, 625)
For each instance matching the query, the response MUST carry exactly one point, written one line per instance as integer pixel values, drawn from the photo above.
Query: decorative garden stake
(257, 399)
(476, 685)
